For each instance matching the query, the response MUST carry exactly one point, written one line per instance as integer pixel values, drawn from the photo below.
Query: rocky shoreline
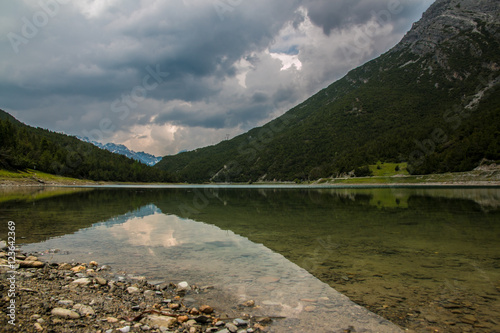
(81, 297)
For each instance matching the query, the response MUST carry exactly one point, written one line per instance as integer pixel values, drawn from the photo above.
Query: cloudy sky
(163, 76)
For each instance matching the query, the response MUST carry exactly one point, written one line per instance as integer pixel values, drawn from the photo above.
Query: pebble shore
(88, 297)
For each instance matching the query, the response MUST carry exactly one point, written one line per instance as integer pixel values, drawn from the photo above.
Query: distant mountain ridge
(142, 157)
(430, 102)
(26, 147)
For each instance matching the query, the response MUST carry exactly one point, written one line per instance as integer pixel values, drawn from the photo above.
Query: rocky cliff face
(447, 20)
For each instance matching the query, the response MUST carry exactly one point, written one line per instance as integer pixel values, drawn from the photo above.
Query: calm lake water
(420, 257)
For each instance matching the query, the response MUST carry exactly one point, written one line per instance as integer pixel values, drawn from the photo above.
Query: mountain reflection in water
(421, 246)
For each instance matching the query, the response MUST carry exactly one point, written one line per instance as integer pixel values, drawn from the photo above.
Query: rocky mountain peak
(447, 19)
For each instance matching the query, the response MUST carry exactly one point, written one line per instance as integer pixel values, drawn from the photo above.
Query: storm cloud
(165, 76)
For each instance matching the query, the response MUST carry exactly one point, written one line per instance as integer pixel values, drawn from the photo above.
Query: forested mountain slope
(430, 101)
(23, 147)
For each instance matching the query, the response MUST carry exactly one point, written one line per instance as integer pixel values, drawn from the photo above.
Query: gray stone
(206, 309)
(240, 322)
(249, 303)
(231, 327)
(211, 329)
(133, 290)
(84, 310)
(65, 313)
(188, 301)
(149, 293)
(66, 302)
(163, 286)
(101, 281)
(81, 282)
(65, 267)
(191, 323)
(160, 321)
(31, 264)
(104, 268)
(183, 286)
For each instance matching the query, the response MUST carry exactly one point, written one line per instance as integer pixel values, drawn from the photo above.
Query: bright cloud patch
(288, 60)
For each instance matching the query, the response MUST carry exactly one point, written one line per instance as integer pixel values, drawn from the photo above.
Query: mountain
(430, 102)
(142, 157)
(6, 116)
(23, 146)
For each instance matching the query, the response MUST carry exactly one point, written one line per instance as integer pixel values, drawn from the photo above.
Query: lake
(420, 257)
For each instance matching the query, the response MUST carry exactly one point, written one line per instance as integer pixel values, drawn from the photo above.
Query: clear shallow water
(404, 253)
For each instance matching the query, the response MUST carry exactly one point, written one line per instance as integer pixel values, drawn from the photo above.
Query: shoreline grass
(31, 177)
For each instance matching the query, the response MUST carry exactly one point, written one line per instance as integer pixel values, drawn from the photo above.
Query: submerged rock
(249, 303)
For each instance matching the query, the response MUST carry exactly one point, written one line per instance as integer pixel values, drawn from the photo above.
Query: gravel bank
(87, 297)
